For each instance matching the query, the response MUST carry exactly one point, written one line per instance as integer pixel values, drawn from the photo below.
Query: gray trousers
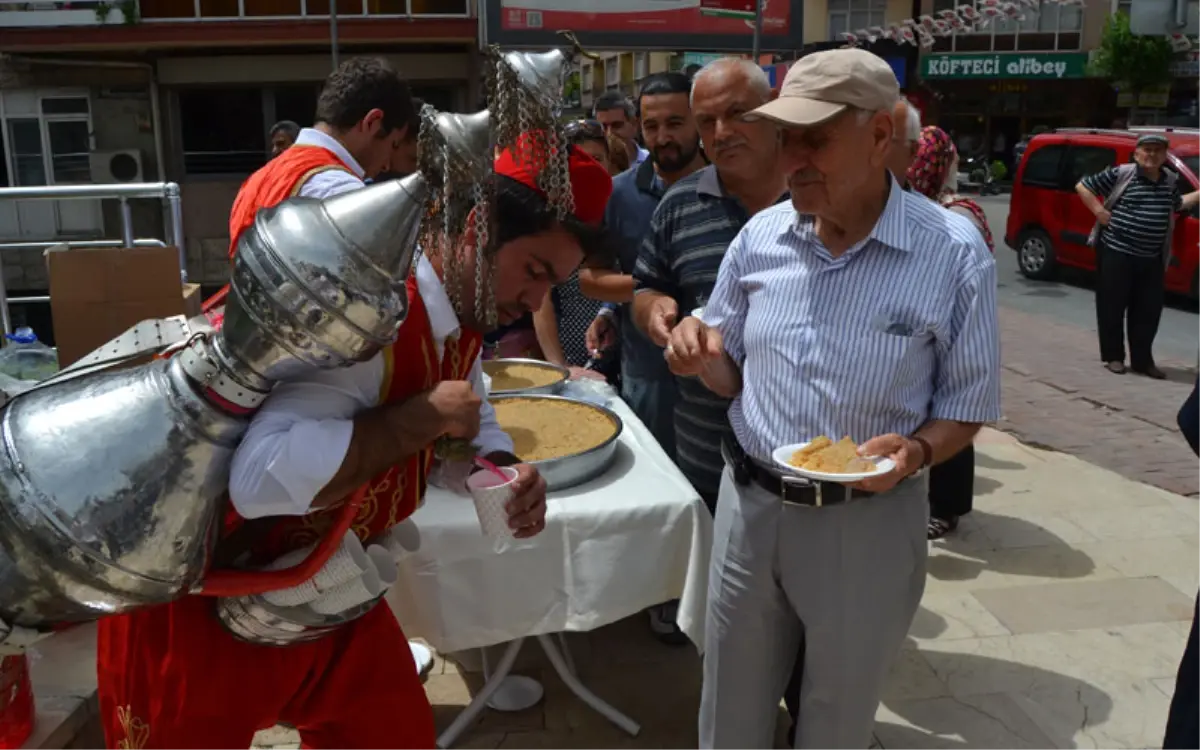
(848, 577)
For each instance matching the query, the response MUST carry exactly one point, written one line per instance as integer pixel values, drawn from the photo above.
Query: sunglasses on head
(584, 130)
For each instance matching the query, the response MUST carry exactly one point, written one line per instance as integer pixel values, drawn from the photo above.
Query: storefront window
(849, 16)
(1050, 27)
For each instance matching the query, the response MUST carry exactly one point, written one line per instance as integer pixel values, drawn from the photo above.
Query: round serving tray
(551, 388)
(568, 471)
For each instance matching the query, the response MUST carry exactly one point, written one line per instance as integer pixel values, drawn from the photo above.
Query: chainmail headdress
(525, 89)
(454, 152)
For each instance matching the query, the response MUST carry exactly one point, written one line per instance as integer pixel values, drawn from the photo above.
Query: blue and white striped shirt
(898, 330)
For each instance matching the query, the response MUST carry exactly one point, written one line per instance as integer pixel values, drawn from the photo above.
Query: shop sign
(1186, 65)
(1152, 97)
(700, 58)
(1050, 65)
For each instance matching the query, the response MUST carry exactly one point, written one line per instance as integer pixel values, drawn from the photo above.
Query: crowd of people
(751, 268)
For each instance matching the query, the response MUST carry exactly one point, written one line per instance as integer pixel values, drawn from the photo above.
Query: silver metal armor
(112, 481)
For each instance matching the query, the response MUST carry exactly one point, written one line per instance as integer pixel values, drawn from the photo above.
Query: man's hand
(601, 335)
(664, 311)
(1103, 216)
(527, 509)
(905, 452)
(455, 406)
(692, 346)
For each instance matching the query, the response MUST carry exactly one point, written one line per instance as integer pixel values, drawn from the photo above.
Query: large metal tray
(568, 471)
(550, 389)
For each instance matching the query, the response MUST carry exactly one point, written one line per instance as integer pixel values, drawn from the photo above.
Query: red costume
(172, 676)
(280, 179)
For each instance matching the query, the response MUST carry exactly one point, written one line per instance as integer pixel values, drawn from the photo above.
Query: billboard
(641, 24)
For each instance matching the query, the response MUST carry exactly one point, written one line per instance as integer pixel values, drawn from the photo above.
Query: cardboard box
(98, 293)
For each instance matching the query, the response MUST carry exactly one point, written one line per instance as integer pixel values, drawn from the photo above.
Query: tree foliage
(1139, 61)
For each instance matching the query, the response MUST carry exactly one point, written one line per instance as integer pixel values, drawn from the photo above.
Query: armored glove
(351, 577)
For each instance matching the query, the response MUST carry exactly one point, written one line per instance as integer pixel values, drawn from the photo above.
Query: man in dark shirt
(669, 132)
(1133, 248)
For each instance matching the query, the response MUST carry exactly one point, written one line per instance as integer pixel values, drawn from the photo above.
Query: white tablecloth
(636, 536)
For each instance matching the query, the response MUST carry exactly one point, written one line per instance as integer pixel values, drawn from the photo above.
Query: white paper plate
(783, 453)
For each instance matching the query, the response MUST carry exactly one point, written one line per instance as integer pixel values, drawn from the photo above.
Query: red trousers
(173, 677)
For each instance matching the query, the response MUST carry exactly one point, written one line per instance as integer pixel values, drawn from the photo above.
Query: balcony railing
(27, 13)
(24, 13)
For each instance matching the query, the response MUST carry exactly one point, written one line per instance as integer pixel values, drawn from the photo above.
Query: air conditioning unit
(116, 166)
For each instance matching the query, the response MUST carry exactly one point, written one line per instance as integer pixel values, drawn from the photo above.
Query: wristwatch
(926, 455)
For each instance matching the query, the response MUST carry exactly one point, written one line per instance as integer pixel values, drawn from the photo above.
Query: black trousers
(1183, 721)
(952, 485)
(1129, 296)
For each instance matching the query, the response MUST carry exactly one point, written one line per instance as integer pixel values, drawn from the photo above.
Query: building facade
(991, 87)
(186, 91)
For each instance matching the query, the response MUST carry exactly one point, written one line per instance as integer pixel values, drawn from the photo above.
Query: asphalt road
(1070, 298)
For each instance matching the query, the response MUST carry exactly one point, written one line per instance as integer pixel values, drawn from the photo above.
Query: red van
(1048, 225)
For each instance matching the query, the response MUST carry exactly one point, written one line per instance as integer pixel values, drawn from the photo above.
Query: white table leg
(516, 692)
(477, 704)
(566, 653)
(587, 696)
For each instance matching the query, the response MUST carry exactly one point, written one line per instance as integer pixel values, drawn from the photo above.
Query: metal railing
(27, 13)
(164, 191)
(149, 13)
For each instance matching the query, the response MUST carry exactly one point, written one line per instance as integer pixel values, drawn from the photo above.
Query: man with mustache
(689, 233)
(860, 309)
(669, 131)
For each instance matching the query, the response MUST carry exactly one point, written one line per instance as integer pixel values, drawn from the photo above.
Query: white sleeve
(298, 439)
(491, 437)
(330, 182)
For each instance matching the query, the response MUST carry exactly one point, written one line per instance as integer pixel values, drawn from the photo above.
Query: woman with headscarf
(934, 174)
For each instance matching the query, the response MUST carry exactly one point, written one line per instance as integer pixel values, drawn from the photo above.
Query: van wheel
(1035, 255)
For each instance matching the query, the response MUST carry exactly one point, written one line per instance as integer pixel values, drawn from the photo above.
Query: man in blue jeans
(1183, 721)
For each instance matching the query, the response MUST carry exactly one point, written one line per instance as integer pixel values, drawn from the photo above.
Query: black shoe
(1116, 368)
(1151, 372)
(662, 624)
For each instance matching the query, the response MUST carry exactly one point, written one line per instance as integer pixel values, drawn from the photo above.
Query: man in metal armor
(172, 676)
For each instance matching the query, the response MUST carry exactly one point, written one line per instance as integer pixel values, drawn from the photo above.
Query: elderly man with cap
(858, 309)
(1135, 206)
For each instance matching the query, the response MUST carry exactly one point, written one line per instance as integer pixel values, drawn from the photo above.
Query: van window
(1086, 161)
(1043, 167)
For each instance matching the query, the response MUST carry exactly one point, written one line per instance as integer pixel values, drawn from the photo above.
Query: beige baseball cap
(823, 84)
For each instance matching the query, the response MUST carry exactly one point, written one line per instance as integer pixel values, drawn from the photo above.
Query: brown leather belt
(792, 490)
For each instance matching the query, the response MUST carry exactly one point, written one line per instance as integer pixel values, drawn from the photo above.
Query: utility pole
(333, 34)
(758, 14)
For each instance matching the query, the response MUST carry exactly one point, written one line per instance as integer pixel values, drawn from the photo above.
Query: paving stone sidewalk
(1054, 617)
(1057, 394)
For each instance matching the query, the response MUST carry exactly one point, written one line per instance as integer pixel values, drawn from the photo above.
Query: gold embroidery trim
(389, 369)
(137, 732)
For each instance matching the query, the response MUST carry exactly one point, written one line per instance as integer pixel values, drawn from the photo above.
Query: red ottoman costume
(172, 676)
